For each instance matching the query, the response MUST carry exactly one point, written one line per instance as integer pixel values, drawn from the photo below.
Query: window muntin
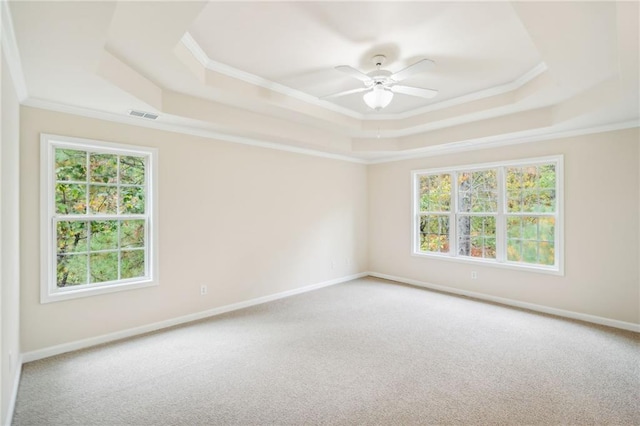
(98, 227)
(504, 213)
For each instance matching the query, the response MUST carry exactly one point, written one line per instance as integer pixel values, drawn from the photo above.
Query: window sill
(92, 290)
(525, 267)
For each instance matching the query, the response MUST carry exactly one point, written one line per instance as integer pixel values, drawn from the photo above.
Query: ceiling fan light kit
(380, 85)
(378, 98)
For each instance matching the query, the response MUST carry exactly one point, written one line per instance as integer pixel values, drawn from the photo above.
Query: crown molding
(199, 54)
(189, 42)
(535, 135)
(10, 49)
(470, 97)
(176, 128)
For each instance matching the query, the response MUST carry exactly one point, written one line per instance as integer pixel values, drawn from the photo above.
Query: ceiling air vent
(142, 114)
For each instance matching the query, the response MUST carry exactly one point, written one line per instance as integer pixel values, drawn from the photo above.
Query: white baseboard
(14, 394)
(93, 341)
(525, 305)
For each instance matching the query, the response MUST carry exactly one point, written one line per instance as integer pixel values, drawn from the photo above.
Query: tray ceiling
(255, 71)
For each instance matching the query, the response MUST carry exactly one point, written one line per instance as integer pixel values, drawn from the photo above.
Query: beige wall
(250, 222)
(246, 221)
(601, 228)
(10, 240)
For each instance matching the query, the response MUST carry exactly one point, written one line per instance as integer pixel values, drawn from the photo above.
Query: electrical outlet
(333, 264)
(203, 289)
(10, 359)
(347, 261)
(474, 275)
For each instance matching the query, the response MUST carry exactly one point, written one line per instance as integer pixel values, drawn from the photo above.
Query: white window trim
(500, 261)
(49, 292)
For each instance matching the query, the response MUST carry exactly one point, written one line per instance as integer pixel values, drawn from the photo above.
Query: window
(507, 214)
(98, 217)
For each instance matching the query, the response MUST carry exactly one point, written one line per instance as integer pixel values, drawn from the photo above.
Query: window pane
(103, 199)
(132, 233)
(132, 170)
(476, 236)
(529, 200)
(478, 191)
(529, 228)
(71, 165)
(71, 198)
(434, 233)
(132, 263)
(514, 227)
(546, 253)
(531, 188)
(514, 250)
(547, 174)
(530, 251)
(104, 235)
(71, 270)
(531, 239)
(132, 199)
(103, 267)
(71, 237)
(435, 193)
(547, 228)
(103, 168)
(547, 200)
(489, 248)
(514, 201)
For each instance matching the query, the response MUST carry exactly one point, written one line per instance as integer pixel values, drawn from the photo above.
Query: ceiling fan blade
(415, 91)
(418, 67)
(354, 73)
(346, 92)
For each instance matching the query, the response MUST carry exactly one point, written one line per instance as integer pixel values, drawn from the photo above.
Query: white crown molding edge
(199, 54)
(470, 97)
(105, 338)
(594, 319)
(14, 393)
(445, 123)
(535, 135)
(159, 125)
(192, 45)
(10, 49)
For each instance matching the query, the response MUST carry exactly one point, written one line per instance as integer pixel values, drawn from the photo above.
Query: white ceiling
(476, 46)
(254, 71)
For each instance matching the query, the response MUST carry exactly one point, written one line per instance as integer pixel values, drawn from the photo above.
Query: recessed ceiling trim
(10, 47)
(189, 42)
(199, 54)
(475, 96)
(527, 136)
(187, 130)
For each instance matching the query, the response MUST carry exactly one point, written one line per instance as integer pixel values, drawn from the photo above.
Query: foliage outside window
(504, 213)
(98, 234)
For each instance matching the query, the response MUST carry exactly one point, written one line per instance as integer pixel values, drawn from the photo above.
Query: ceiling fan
(380, 85)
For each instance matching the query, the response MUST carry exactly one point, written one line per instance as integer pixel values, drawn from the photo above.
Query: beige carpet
(364, 352)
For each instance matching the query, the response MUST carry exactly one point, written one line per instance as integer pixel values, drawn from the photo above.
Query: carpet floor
(364, 352)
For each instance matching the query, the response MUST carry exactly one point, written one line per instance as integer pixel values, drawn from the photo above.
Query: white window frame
(49, 292)
(501, 217)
